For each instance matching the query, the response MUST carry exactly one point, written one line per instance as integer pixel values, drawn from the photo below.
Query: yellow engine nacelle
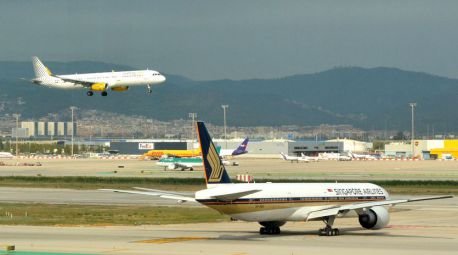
(124, 88)
(98, 86)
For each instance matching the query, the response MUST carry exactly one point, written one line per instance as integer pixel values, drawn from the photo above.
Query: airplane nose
(163, 78)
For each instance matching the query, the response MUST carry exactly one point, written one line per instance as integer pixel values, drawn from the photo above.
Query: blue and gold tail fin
(215, 172)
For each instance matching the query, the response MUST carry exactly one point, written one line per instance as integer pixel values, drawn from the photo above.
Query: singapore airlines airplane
(273, 204)
(100, 82)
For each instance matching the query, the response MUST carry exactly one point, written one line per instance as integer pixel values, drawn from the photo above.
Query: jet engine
(376, 217)
(99, 86)
(123, 88)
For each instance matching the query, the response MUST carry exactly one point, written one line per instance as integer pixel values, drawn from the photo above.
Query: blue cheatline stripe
(293, 200)
(40, 253)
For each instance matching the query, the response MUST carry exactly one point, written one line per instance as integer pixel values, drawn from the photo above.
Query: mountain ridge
(368, 98)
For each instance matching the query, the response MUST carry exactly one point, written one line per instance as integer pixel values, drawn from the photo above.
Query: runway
(427, 230)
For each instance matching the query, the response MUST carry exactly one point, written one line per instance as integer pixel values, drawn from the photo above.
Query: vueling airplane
(273, 204)
(100, 82)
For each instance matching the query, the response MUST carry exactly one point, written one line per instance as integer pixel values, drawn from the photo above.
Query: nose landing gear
(149, 89)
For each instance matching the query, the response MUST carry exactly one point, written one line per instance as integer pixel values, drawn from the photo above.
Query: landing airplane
(273, 204)
(100, 82)
(242, 149)
(293, 158)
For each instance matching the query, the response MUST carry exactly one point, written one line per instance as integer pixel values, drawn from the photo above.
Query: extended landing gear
(149, 89)
(104, 93)
(89, 93)
(328, 230)
(269, 231)
(270, 227)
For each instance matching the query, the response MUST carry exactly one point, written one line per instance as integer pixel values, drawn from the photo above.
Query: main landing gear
(328, 230)
(91, 93)
(270, 227)
(149, 89)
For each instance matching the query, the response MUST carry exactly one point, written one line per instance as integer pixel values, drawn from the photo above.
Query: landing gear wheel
(89, 93)
(269, 230)
(191, 169)
(328, 231)
(104, 93)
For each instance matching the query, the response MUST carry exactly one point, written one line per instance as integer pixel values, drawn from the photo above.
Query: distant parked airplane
(6, 155)
(311, 158)
(293, 158)
(362, 156)
(100, 82)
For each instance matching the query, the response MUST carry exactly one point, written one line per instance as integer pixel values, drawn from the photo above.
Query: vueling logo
(215, 164)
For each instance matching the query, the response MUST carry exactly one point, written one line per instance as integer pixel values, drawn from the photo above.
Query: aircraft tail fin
(40, 69)
(242, 148)
(215, 172)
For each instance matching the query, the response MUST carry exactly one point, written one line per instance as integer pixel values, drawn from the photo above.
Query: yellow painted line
(174, 239)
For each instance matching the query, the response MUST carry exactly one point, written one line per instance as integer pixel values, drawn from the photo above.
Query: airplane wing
(81, 82)
(336, 210)
(223, 194)
(158, 193)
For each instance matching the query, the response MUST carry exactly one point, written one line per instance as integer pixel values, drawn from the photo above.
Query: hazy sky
(236, 39)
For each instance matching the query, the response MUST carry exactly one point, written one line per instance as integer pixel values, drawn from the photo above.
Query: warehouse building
(424, 149)
(266, 148)
(139, 147)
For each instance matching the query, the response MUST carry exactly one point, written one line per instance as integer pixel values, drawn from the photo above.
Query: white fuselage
(111, 79)
(287, 201)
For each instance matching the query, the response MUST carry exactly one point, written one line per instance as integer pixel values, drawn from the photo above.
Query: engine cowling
(99, 87)
(376, 217)
(123, 88)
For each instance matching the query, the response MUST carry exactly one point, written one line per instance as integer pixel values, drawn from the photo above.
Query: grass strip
(71, 215)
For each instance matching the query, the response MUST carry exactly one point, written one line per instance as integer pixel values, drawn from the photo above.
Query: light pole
(17, 115)
(225, 106)
(73, 108)
(413, 105)
(193, 116)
